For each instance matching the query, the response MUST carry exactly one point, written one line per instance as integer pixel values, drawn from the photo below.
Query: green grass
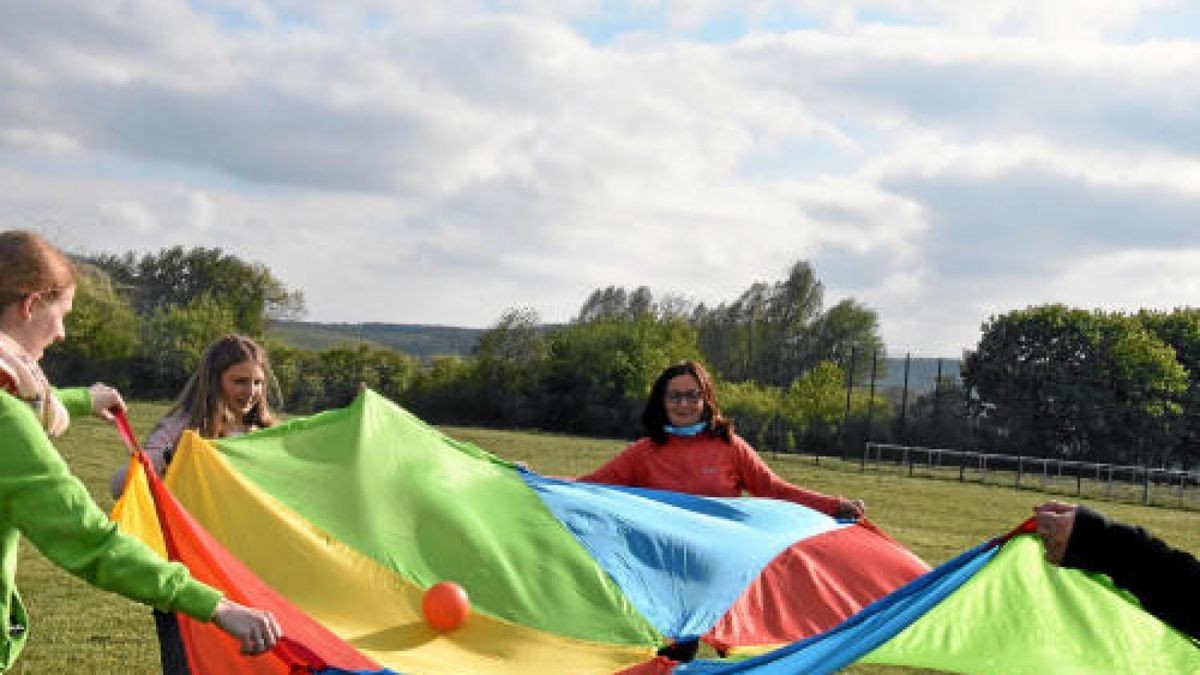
(78, 629)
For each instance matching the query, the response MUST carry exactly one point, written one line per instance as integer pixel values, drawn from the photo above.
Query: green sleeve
(51, 508)
(77, 400)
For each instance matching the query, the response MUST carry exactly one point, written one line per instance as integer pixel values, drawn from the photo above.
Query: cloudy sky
(939, 161)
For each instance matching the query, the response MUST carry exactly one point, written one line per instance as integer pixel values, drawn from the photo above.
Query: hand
(104, 399)
(1055, 520)
(255, 629)
(851, 508)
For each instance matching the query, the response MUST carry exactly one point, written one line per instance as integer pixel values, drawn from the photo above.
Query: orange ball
(446, 606)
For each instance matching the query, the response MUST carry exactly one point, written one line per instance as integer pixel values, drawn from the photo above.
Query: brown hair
(201, 397)
(654, 415)
(29, 264)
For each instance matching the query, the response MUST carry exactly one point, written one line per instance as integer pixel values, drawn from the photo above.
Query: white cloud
(1130, 280)
(129, 216)
(939, 161)
(36, 140)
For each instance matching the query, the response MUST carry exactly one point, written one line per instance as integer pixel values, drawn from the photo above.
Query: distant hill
(427, 341)
(412, 339)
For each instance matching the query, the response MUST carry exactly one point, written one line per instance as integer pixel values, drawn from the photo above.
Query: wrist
(220, 610)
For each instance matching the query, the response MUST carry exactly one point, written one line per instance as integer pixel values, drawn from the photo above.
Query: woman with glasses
(689, 447)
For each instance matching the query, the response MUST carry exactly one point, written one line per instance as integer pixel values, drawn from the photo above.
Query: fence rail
(1167, 487)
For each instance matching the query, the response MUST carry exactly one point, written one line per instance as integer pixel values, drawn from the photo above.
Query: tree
(617, 303)
(602, 304)
(510, 359)
(300, 387)
(775, 333)
(342, 369)
(437, 390)
(941, 418)
(173, 338)
(817, 398)
(1059, 382)
(599, 373)
(847, 324)
(175, 277)
(1181, 330)
(102, 332)
(755, 410)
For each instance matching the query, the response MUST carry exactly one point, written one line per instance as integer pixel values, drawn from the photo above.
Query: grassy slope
(414, 340)
(78, 629)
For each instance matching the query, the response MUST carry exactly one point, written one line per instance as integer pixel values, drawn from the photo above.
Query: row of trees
(1047, 381)
(142, 322)
(1076, 384)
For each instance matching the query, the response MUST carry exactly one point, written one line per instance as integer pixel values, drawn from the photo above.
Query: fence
(1167, 487)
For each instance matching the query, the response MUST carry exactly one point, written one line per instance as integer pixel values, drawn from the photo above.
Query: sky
(938, 161)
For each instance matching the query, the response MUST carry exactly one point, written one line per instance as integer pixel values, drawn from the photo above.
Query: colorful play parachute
(338, 522)
(999, 608)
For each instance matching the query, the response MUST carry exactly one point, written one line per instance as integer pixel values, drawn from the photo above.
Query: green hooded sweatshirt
(40, 499)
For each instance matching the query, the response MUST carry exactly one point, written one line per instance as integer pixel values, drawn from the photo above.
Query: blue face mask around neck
(689, 430)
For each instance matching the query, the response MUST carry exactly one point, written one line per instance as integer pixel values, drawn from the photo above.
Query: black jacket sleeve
(1164, 579)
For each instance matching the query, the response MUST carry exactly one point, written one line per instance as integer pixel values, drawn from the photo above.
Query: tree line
(1045, 381)
(1089, 385)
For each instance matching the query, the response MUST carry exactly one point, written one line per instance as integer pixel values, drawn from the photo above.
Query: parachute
(338, 522)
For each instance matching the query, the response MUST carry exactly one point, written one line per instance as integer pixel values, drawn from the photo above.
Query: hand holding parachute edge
(256, 629)
(106, 401)
(851, 509)
(1055, 520)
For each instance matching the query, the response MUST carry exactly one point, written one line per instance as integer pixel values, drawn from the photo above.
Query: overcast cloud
(938, 161)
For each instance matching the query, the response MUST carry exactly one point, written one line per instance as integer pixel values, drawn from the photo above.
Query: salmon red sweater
(704, 465)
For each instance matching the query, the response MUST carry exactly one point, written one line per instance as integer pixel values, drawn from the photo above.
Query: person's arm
(1166, 580)
(158, 446)
(759, 480)
(77, 400)
(97, 400)
(255, 629)
(50, 507)
(163, 438)
(620, 470)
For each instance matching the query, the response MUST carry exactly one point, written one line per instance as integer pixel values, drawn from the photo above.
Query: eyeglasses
(678, 397)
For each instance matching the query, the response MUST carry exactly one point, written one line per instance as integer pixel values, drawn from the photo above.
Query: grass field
(77, 629)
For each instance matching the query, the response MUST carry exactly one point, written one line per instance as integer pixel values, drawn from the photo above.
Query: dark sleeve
(1166, 580)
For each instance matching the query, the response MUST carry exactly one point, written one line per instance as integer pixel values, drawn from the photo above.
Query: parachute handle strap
(125, 430)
